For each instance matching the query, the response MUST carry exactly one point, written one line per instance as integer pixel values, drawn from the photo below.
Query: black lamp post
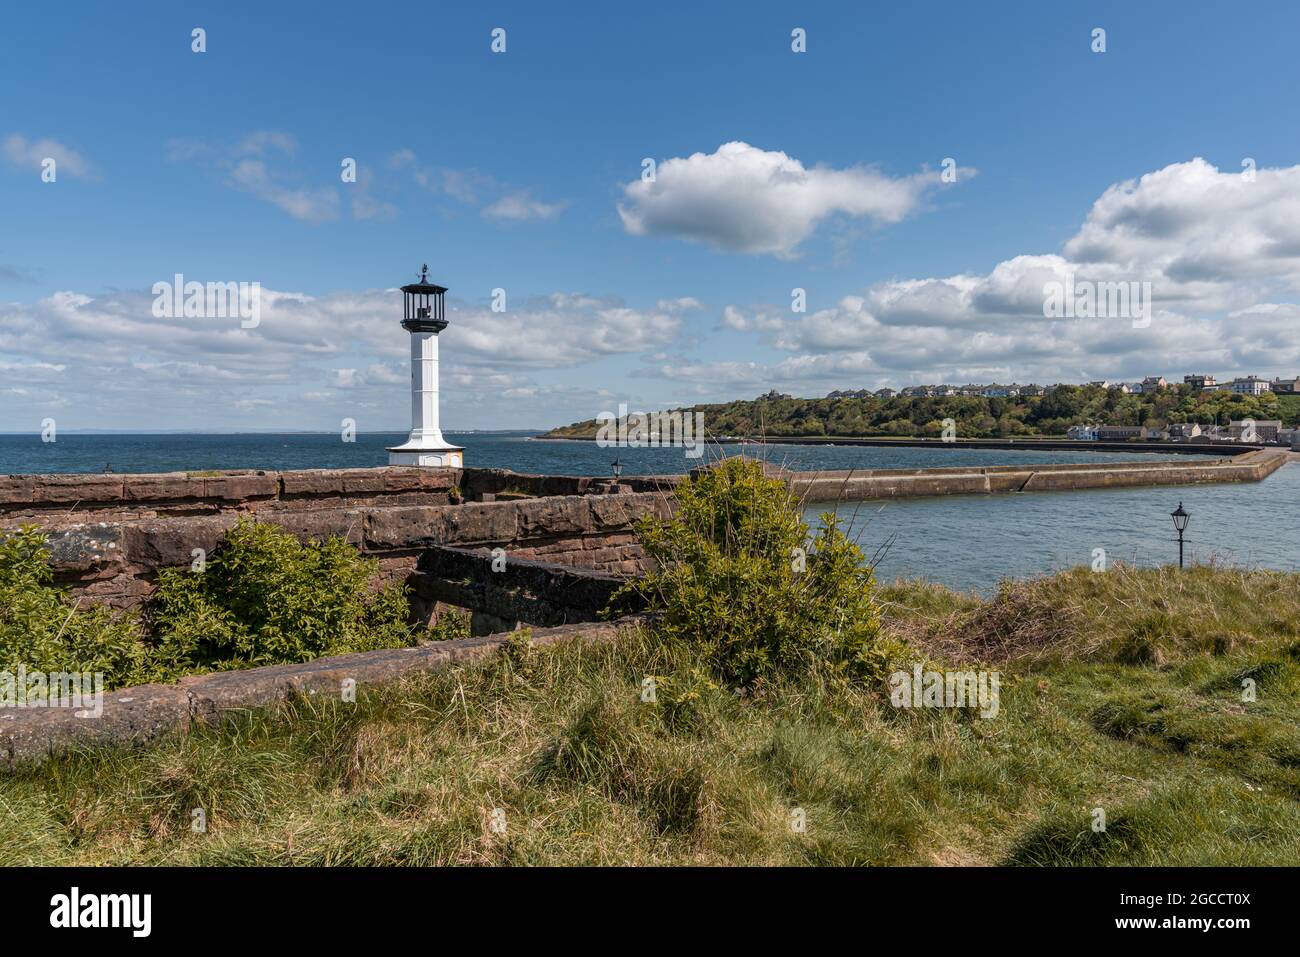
(617, 466)
(1180, 518)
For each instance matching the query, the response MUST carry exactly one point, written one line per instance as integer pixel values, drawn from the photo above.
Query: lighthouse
(424, 316)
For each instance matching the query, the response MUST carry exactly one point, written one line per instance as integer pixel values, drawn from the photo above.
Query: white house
(1249, 385)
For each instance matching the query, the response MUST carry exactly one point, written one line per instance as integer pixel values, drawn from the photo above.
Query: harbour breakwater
(869, 484)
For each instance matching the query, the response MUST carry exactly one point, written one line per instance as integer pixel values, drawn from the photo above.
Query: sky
(623, 201)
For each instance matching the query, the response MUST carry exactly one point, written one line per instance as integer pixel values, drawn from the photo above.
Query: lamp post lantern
(424, 316)
(617, 467)
(1180, 518)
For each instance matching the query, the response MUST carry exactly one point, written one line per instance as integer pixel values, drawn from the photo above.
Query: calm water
(972, 541)
(518, 451)
(962, 541)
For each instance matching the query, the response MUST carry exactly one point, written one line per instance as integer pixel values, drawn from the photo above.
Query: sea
(968, 542)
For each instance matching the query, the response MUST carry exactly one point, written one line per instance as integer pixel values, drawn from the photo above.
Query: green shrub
(735, 572)
(263, 597)
(450, 625)
(41, 631)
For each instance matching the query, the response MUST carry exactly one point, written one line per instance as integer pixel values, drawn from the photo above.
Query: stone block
(567, 515)
(82, 548)
(313, 482)
(241, 486)
(319, 524)
(16, 490)
(161, 486)
(129, 716)
(69, 489)
(168, 543)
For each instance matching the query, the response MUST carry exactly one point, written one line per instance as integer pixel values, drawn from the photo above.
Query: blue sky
(520, 170)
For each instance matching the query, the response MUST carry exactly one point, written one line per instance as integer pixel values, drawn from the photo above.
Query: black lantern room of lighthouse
(422, 305)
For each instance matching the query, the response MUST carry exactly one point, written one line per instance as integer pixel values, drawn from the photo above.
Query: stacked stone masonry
(109, 536)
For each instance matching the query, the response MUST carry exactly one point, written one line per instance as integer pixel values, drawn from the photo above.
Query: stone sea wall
(109, 536)
(869, 484)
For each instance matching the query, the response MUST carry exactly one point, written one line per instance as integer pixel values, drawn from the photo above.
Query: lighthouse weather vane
(424, 316)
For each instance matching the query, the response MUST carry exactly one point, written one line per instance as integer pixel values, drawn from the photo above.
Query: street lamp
(617, 466)
(1180, 518)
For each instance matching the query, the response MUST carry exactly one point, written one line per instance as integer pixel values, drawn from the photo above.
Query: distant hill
(976, 416)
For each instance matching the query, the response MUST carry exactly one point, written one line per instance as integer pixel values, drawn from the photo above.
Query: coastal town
(1248, 430)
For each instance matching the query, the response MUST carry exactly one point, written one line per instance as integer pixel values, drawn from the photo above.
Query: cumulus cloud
(1199, 228)
(1220, 250)
(23, 153)
(744, 199)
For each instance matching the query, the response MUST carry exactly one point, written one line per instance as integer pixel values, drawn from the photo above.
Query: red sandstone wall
(114, 558)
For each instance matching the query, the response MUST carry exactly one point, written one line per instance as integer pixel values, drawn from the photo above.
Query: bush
(41, 631)
(264, 597)
(734, 572)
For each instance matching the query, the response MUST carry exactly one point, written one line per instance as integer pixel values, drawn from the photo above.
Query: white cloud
(119, 364)
(1198, 228)
(265, 141)
(520, 206)
(744, 199)
(1221, 252)
(496, 200)
(312, 206)
(365, 205)
(246, 168)
(30, 154)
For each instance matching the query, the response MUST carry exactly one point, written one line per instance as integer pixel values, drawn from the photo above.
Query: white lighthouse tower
(424, 317)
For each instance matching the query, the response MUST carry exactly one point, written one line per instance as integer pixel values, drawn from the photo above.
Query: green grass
(1120, 691)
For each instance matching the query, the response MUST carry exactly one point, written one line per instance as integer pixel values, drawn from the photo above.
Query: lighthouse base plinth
(444, 457)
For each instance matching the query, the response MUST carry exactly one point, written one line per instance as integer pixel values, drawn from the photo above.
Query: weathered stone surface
(472, 523)
(129, 716)
(70, 489)
(513, 588)
(16, 489)
(141, 496)
(362, 481)
(170, 542)
(317, 524)
(164, 486)
(239, 486)
(567, 515)
(620, 511)
(85, 547)
(397, 479)
(404, 527)
(312, 482)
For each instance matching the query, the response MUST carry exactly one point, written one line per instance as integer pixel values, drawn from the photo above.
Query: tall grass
(583, 771)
